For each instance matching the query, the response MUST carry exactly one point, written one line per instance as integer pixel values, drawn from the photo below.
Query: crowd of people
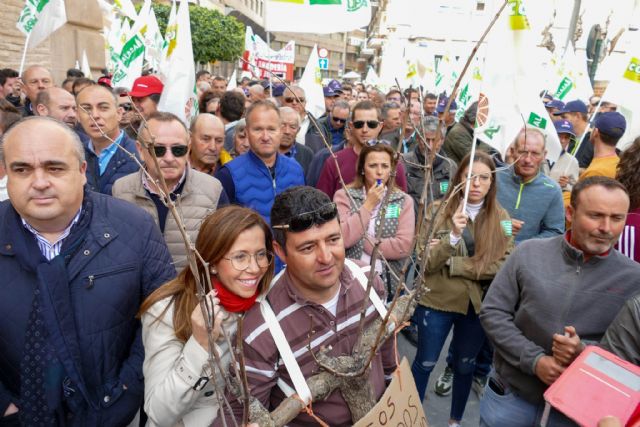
(104, 199)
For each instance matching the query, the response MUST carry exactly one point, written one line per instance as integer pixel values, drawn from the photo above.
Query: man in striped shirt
(317, 302)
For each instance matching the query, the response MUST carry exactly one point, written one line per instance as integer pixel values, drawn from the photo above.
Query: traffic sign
(323, 63)
(323, 52)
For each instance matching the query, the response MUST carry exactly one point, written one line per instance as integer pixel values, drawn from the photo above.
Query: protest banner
(262, 60)
(400, 405)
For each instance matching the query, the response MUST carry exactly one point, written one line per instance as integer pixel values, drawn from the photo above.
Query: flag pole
(589, 123)
(269, 65)
(24, 54)
(467, 184)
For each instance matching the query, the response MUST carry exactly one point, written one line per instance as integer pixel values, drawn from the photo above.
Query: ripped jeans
(468, 337)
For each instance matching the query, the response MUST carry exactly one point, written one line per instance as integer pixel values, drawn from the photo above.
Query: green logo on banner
(633, 70)
(393, 211)
(491, 131)
(315, 2)
(563, 88)
(29, 15)
(444, 186)
(537, 121)
(353, 5)
(131, 50)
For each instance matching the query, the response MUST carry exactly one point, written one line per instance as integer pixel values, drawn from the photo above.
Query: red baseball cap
(145, 86)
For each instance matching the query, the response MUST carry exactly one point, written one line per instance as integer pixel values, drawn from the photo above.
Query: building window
(480, 5)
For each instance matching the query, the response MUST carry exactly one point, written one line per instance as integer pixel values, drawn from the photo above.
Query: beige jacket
(199, 198)
(171, 369)
(566, 165)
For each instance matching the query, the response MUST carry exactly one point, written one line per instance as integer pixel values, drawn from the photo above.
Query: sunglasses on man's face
(339, 120)
(292, 100)
(306, 220)
(371, 124)
(176, 150)
(126, 106)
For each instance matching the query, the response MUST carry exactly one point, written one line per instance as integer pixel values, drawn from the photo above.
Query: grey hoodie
(544, 286)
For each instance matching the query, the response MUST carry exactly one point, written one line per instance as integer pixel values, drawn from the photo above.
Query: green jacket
(452, 286)
(457, 143)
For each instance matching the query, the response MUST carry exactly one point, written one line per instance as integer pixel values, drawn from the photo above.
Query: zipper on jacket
(519, 195)
(93, 277)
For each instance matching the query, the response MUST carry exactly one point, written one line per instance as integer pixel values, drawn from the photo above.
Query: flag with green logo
(316, 16)
(508, 100)
(624, 91)
(570, 78)
(131, 59)
(40, 18)
(179, 93)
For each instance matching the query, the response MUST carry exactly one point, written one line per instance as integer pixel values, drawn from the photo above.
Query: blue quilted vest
(254, 186)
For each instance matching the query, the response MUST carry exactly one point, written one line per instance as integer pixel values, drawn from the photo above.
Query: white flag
(372, 77)
(86, 69)
(624, 91)
(233, 81)
(153, 41)
(131, 58)
(509, 101)
(311, 82)
(125, 8)
(179, 94)
(169, 42)
(316, 16)
(40, 18)
(571, 78)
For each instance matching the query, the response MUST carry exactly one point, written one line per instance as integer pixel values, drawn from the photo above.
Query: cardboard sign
(400, 405)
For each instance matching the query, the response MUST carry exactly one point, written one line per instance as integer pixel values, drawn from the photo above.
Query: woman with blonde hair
(468, 250)
(373, 180)
(179, 385)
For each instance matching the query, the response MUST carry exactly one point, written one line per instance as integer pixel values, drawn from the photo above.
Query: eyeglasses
(126, 106)
(305, 220)
(339, 120)
(371, 124)
(176, 150)
(242, 260)
(292, 100)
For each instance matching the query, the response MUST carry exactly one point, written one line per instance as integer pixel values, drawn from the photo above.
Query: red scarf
(230, 301)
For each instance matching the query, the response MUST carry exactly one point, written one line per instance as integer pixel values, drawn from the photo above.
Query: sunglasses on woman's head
(306, 220)
(371, 124)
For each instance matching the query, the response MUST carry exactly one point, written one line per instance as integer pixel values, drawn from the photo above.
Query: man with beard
(57, 103)
(549, 296)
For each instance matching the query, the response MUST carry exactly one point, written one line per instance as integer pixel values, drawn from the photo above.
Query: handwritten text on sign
(400, 405)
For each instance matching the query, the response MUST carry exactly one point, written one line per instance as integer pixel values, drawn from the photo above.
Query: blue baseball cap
(564, 126)
(611, 123)
(278, 89)
(442, 104)
(576, 106)
(335, 86)
(555, 103)
(328, 92)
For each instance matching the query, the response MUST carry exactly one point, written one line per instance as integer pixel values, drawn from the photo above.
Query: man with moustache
(59, 104)
(288, 145)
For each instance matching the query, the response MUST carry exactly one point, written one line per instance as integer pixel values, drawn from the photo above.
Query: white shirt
(4, 195)
(472, 211)
(332, 304)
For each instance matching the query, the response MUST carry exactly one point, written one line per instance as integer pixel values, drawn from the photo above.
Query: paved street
(435, 407)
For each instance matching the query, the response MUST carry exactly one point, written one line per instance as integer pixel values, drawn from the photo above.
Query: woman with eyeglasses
(180, 389)
(360, 222)
(467, 251)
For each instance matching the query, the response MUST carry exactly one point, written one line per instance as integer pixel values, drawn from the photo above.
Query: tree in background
(215, 37)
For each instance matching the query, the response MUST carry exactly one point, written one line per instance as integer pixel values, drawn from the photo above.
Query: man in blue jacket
(76, 265)
(533, 200)
(256, 177)
(107, 147)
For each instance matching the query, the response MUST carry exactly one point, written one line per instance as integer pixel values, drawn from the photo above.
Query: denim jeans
(510, 410)
(483, 361)
(468, 336)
